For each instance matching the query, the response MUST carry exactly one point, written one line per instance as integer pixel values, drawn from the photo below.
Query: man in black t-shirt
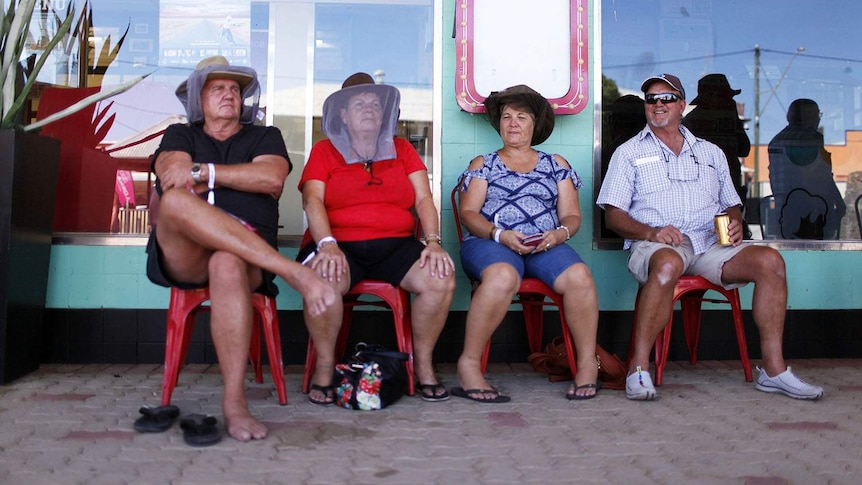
(219, 178)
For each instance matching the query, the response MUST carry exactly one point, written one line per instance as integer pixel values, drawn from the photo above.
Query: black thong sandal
(573, 396)
(328, 395)
(200, 430)
(429, 392)
(471, 395)
(156, 419)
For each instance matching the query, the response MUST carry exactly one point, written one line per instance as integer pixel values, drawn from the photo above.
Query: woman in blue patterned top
(507, 196)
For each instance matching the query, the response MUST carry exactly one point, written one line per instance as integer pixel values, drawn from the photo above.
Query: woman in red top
(360, 189)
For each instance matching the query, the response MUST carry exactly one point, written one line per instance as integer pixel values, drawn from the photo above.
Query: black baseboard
(111, 336)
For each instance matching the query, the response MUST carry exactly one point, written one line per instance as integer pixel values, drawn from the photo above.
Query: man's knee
(225, 266)
(665, 268)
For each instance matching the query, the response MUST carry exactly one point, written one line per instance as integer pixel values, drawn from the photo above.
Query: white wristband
(211, 183)
(497, 235)
(324, 240)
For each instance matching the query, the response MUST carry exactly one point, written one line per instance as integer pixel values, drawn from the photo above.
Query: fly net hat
(334, 128)
(217, 67)
(522, 97)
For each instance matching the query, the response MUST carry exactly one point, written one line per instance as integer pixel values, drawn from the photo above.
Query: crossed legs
(203, 244)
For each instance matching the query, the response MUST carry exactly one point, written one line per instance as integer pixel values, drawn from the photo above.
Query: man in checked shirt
(662, 189)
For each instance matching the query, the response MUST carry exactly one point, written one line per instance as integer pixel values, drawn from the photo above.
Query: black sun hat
(526, 96)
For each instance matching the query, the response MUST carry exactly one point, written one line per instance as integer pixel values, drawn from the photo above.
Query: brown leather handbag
(555, 363)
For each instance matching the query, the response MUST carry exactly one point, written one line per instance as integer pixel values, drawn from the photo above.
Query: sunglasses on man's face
(665, 98)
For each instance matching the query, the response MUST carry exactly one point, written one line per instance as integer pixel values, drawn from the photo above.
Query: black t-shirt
(259, 210)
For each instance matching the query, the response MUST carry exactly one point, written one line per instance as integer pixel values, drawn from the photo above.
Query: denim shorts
(477, 254)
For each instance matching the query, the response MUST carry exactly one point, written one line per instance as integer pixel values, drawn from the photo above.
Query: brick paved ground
(73, 424)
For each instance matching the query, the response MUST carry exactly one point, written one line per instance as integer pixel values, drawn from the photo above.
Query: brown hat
(527, 96)
(668, 79)
(715, 84)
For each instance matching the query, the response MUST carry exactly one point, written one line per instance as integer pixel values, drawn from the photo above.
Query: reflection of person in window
(716, 119)
(799, 160)
(225, 30)
(626, 119)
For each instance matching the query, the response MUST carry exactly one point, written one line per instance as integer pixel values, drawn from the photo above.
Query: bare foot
(242, 426)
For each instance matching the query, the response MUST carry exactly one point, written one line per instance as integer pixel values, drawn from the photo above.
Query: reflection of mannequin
(799, 160)
(626, 118)
(716, 119)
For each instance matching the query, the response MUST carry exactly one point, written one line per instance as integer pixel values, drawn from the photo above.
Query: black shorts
(157, 275)
(388, 259)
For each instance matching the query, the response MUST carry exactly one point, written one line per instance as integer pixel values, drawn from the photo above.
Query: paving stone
(73, 424)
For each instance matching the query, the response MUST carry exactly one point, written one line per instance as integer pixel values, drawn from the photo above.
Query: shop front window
(302, 51)
(798, 71)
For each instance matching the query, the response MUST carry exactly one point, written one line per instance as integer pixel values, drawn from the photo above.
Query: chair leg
(254, 348)
(268, 315)
(534, 316)
(662, 348)
(733, 298)
(404, 334)
(691, 318)
(181, 318)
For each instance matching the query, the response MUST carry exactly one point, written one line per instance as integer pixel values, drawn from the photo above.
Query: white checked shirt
(657, 188)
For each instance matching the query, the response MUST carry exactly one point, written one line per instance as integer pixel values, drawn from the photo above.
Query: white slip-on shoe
(639, 386)
(788, 384)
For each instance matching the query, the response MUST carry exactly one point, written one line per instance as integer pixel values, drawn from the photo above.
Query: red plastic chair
(690, 290)
(394, 297)
(533, 296)
(186, 304)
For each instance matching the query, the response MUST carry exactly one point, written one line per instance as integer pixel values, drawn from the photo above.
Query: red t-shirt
(357, 210)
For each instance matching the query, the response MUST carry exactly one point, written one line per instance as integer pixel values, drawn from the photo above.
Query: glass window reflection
(775, 57)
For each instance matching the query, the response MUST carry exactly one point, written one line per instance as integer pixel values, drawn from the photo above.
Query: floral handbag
(372, 378)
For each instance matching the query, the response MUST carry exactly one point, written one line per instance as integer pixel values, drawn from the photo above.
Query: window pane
(775, 53)
(302, 51)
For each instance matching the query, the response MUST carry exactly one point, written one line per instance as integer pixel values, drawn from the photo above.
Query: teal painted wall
(113, 276)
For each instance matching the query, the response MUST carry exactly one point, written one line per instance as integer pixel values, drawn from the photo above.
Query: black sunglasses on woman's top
(665, 98)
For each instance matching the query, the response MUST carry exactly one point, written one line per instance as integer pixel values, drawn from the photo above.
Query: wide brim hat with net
(218, 67)
(334, 128)
(526, 96)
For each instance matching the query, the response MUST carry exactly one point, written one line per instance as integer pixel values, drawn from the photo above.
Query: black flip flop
(328, 395)
(466, 394)
(200, 430)
(574, 396)
(156, 419)
(433, 396)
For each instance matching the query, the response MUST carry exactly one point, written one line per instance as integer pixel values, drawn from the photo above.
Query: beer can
(721, 222)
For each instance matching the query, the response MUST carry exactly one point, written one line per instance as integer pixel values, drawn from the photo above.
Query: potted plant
(28, 183)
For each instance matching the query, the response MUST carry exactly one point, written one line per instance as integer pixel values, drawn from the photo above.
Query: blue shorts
(477, 254)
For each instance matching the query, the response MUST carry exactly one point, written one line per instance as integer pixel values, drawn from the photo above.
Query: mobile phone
(532, 240)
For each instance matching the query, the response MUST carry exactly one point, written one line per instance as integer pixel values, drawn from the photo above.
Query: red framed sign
(504, 43)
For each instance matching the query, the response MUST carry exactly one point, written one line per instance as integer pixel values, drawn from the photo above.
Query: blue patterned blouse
(525, 202)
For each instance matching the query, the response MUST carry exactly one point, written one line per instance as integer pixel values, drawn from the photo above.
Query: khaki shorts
(708, 264)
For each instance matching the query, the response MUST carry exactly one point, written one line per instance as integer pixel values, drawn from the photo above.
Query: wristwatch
(196, 173)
